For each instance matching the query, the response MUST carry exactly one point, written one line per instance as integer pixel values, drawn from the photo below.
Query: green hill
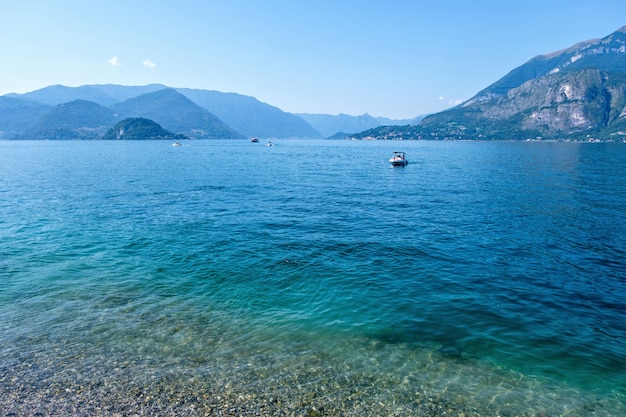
(78, 119)
(140, 129)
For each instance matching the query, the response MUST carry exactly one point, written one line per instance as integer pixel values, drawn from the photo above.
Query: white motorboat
(398, 159)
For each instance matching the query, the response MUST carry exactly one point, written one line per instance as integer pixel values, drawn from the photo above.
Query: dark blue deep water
(312, 277)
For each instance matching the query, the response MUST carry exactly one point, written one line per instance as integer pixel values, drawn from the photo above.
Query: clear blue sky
(391, 58)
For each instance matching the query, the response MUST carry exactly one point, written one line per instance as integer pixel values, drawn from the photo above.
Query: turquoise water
(312, 278)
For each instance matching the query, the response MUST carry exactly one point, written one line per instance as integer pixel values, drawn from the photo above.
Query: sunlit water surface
(311, 276)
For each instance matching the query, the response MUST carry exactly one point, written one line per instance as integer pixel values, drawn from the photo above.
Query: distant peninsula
(138, 128)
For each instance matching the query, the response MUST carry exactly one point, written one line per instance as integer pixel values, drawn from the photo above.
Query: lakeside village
(614, 137)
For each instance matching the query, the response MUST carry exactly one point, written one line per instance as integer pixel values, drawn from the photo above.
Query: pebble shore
(93, 392)
(307, 385)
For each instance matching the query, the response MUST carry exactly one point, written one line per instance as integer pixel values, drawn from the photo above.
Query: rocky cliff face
(576, 92)
(560, 103)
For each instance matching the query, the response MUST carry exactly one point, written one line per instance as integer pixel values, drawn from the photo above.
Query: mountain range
(89, 111)
(346, 124)
(578, 93)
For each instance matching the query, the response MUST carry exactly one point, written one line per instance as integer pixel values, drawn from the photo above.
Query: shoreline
(423, 383)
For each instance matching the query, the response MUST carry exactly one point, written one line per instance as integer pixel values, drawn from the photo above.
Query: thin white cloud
(451, 101)
(148, 64)
(115, 61)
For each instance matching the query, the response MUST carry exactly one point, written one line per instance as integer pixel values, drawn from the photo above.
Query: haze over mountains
(89, 111)
(346, 124)
(576, 93)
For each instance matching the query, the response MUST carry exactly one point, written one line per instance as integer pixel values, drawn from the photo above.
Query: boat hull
(399, 163)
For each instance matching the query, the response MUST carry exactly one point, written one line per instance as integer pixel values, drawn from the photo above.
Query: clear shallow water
(312, 277)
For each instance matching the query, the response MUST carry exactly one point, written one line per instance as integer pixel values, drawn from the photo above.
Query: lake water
(312, 278)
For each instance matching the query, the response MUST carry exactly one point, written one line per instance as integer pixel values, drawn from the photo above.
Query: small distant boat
(176, 144)
(398, 159)
(254, 140)
(269, 144)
